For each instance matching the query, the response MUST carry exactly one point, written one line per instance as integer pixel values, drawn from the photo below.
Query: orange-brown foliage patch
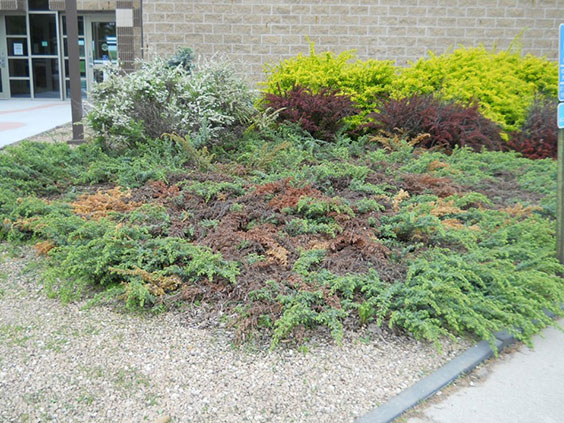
(272, 187)
(291, 196)
(519, 211)
(457, 224)
(44, 247)
(394, 142)
(96, 206)
(265, 235)
(398, 199)
(363, 243)
(317, 244)
(442, 208)
(419, 183)
(437, 164)
(278, 254)
(287, 196)
(27, 224)
(162, 191)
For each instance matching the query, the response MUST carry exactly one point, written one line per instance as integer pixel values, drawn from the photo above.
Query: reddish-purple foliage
(449, 124)
(538, 138)
(321, 114)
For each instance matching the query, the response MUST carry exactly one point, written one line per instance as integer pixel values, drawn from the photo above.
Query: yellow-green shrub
(503, 83)
(363, 81)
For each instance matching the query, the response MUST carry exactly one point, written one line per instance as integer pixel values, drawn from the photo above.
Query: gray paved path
(21, 119)
(526, 386)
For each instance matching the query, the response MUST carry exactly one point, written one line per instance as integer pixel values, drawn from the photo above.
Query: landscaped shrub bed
(280, 222)
(334, 235)
(499, 88)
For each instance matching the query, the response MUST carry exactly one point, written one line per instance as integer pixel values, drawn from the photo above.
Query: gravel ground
(65, 364)
(61, 133)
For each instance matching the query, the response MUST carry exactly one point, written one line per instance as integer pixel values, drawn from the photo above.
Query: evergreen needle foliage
(287, 233)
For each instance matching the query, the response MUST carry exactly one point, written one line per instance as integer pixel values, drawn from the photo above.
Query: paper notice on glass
(18, 49)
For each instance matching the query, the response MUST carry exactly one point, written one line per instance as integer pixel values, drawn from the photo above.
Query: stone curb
(433, 383)
(442, 377)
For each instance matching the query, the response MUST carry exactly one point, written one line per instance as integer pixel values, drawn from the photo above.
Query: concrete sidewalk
(21, 119)
(523, 387)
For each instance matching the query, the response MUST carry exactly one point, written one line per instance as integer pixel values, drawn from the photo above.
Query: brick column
(58, 5)
(15, 5)
(128, 31)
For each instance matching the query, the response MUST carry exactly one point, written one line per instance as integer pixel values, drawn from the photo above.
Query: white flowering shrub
(205, 103)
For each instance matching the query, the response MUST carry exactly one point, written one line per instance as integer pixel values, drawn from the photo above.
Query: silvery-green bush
(205, 103)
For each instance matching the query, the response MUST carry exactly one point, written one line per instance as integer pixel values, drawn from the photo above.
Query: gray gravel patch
(66, 364)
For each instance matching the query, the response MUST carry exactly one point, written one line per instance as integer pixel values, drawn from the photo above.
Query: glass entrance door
(44, 46)
(17, 48)
(4, 75)
(97, 43)
(34, 53)
(102, 45)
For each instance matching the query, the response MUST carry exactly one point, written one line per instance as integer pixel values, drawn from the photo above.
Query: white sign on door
(18, 49)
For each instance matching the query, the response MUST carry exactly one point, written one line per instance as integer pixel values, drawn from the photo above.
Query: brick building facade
(33, 53)
(262, 31)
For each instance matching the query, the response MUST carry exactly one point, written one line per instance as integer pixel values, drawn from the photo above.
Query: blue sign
(561, 63)
(561, 116)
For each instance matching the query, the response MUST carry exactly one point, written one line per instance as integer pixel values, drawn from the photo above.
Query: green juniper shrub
(298, 226)
(87, 257)
(409, 226)
(367, 205)
(474, 169)
(184, 57)
(501, 282)
(44, 168)
(154, 217)
(50, 169)
(333, 170)
(368, 188)
(152, 159)
(209, 190)
(271, 150)
(500, 273)
(322, 208)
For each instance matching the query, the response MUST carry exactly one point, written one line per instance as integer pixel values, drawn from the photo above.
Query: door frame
(4, 71)
(58, 56)
(89, 19)
(5, 59)
(88, 50)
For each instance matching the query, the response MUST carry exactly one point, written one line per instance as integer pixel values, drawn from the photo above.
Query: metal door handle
(3, 60)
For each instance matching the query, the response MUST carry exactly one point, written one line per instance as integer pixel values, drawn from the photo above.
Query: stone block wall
(265, 31)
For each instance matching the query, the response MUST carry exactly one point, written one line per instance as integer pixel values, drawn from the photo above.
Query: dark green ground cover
(285, 233)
